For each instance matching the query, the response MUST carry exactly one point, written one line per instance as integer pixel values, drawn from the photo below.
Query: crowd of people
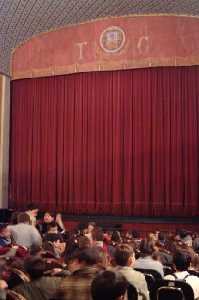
(40, 259)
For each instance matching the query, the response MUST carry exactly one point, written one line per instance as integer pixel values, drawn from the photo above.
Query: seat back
(172, 289)
(154, 273)
(12, 295)
(168, 270)
(193, 272)
(151, 277)
(168, 293)
(16, 277)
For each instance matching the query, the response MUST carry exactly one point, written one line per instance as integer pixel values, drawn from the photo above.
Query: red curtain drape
(118, 143)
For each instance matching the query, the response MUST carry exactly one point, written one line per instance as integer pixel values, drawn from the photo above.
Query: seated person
(55, 245)
(5, 236)
(124, 260)
(52, 230)
(146, 260)
(84, 269)
(182, 263)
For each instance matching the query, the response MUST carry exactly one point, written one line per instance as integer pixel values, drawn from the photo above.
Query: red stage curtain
(118, 143)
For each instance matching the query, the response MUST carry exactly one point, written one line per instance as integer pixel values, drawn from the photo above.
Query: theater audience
(65, 265)
(125, 260)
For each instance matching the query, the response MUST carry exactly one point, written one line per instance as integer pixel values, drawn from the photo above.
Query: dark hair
(116, 237)
(23, 218)
(108, 285)
(182, 261)
(122, 254)
(14, 217)
(183, 233)
(90, 256)
(31, 206)
(146, 247)
(92, 224)
(35, 267)
(3, 226)
(135, 234)
(52, 214)
(35, 249)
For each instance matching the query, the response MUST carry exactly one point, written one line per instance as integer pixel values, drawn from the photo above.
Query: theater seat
(172, 289)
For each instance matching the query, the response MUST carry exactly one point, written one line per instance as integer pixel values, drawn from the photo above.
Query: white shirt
(192, 280)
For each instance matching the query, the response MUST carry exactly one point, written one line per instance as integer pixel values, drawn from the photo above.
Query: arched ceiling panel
(21, 19)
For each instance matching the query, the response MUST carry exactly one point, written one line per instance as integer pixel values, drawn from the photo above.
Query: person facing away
(109, 285)
(146, 261)
(182, 263)
(23, 233)
(84, 267)
(125, 258)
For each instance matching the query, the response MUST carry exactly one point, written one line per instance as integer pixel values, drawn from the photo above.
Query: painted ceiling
(22, 19)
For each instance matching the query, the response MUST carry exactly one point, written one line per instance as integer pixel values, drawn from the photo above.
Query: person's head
(48, 217)
(109, 285)
(4, 231)
(181, 261)
(195, 262)
(161, 236)
(136, 234)
(124, 255)
(147, 247)
(23, 218)
(84, 242)
(89, 256)
(14, 217)
(83, 258)
(35, 267)
(52, 227)
(91, 226)
(33, 209)
(116, 237)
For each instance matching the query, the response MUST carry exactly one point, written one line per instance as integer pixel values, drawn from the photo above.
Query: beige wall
(4, 138)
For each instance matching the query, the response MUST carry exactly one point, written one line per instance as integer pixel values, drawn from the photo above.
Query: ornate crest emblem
(112, 39)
